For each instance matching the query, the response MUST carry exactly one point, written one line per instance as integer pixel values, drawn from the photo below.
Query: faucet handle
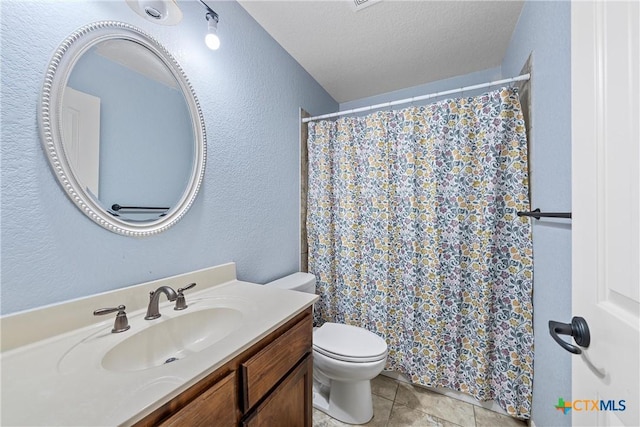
(186, 288)
(181, 302)
(121, 324)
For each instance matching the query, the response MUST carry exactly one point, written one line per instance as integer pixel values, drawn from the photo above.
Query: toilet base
(349, 402)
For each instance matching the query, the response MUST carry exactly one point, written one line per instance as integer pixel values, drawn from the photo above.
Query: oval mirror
(122, 129)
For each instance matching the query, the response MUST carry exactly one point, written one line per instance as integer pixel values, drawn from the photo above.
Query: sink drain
(171, 359)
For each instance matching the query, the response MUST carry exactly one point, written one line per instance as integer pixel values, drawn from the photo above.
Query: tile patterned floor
(397, 404)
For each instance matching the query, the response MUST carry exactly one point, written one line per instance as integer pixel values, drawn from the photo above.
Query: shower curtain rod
(418, 98)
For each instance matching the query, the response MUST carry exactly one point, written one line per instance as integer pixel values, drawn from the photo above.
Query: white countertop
(56, 381)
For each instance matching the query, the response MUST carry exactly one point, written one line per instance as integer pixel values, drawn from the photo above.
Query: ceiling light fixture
(163, 12)
(211, 39)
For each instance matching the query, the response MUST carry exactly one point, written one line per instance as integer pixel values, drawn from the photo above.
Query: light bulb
(212, 41)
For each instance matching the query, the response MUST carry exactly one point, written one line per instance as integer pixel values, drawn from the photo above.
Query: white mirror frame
(50, 121)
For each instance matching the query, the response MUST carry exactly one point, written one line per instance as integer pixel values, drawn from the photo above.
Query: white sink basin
(172, 339)
(151, 343)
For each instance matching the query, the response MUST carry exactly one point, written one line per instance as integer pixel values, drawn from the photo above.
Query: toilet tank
(301, 282)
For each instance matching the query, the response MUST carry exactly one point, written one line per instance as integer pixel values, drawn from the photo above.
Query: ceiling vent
(358, 5)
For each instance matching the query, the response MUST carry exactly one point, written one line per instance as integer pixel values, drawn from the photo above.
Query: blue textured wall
(544, 28)
(482, 76)
(247, 210)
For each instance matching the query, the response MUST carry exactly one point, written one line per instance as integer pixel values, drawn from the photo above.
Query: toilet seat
(344, 358)
(349, 343)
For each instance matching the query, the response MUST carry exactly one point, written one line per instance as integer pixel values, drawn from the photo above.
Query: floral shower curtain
(413, 234)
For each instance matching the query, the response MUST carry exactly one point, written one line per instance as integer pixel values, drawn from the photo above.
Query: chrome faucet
(153, 311)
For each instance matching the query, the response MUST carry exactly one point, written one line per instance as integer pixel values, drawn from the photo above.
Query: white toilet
(345, 359)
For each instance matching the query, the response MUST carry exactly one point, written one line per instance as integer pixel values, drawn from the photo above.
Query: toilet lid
(351, 343)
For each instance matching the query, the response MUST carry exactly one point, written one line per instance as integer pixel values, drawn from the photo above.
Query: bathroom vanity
(239, 354)
(268, 384)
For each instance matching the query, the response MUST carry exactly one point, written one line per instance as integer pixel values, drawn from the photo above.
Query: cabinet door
(215, 407)
(289, 405)
(267, 368)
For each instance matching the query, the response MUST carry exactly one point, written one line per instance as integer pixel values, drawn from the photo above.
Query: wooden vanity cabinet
(215, 406)
(267, 385)
(282, 406)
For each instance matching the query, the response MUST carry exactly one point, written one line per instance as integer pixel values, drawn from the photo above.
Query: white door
(605, 48)
(81, 136)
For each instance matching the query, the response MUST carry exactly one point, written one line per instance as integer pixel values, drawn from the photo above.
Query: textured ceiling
(389, 45)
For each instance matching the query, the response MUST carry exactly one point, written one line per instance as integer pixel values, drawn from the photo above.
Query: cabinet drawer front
(215, 407)
(289, 405)
(264, 370)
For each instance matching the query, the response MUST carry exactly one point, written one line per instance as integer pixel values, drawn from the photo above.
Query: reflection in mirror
(124, 133)
(131, 116)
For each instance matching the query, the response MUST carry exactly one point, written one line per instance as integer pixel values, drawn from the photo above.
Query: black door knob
(578, 329)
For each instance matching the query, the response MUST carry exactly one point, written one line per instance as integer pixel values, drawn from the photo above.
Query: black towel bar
(537, 214)
(116, 207)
